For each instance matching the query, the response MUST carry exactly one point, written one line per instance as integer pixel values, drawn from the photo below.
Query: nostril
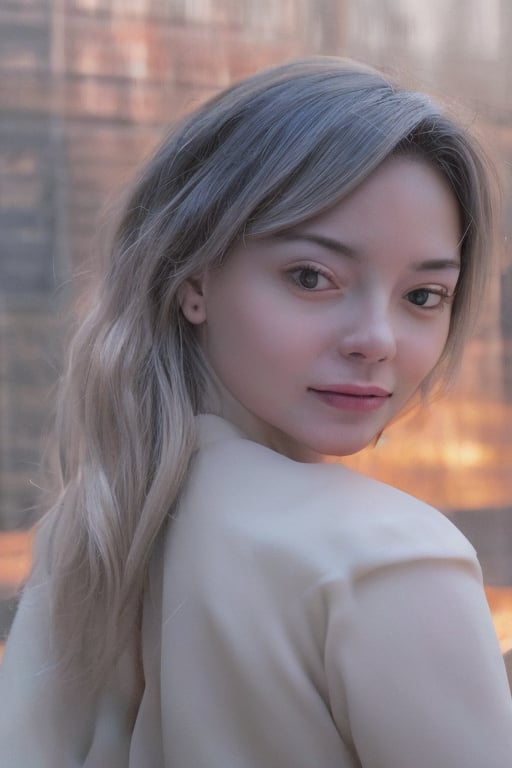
(362, 356)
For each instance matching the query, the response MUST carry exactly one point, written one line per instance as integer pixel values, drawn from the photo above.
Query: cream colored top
(296, 616)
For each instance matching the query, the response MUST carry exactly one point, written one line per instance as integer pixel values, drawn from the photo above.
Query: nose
(371, 336)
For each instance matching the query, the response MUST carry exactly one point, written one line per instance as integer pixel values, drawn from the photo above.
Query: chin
(346, 451)
(350, 447)
(339, 450)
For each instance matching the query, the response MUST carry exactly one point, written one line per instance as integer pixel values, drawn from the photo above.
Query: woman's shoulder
(322, 508)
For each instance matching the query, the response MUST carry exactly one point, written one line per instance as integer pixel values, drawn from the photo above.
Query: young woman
(302, 257)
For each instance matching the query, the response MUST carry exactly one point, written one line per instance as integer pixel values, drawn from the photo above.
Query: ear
(192, 300)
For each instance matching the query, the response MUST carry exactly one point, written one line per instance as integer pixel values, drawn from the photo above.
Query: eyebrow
(321, 240)
(346, 250)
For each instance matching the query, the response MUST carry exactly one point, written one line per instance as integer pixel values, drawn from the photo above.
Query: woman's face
(320, 335)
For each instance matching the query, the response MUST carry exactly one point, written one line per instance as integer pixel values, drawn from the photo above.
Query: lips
(354, 390)
(353, 397)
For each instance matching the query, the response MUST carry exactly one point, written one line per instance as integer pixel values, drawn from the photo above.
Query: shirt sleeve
(414, 668)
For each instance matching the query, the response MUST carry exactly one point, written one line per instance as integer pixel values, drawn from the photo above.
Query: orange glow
(454, 456)
(15, 561)
(500, 602)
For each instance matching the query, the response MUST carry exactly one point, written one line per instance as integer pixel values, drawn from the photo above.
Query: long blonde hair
(263, 155)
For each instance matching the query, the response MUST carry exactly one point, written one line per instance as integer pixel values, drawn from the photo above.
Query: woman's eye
(311, 279)
(427, 297)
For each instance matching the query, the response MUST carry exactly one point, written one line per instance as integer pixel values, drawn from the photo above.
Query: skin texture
(299, 327)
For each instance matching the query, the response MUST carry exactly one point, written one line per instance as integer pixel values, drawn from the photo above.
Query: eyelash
(296, 271)
(444, 297)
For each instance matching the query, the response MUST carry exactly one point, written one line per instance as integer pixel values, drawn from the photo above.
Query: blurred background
(87, 88)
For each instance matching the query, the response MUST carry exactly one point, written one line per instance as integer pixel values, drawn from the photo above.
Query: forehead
(402, 198)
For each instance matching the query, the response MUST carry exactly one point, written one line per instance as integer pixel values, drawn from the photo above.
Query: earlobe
(192, 300)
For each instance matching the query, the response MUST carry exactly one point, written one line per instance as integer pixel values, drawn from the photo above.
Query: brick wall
(86, 87)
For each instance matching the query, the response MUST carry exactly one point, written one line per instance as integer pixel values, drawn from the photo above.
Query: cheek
(262, 330)
(424, 350)
(243, 342)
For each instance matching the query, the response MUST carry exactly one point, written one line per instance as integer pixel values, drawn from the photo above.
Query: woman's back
(288, 621)
(301, 605)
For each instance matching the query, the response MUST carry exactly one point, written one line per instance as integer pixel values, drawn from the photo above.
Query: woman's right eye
(311, 279)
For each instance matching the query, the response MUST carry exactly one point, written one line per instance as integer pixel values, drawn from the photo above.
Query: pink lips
(353, 397)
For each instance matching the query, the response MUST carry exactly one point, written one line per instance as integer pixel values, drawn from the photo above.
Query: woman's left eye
(310, 279)
(429, 298)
